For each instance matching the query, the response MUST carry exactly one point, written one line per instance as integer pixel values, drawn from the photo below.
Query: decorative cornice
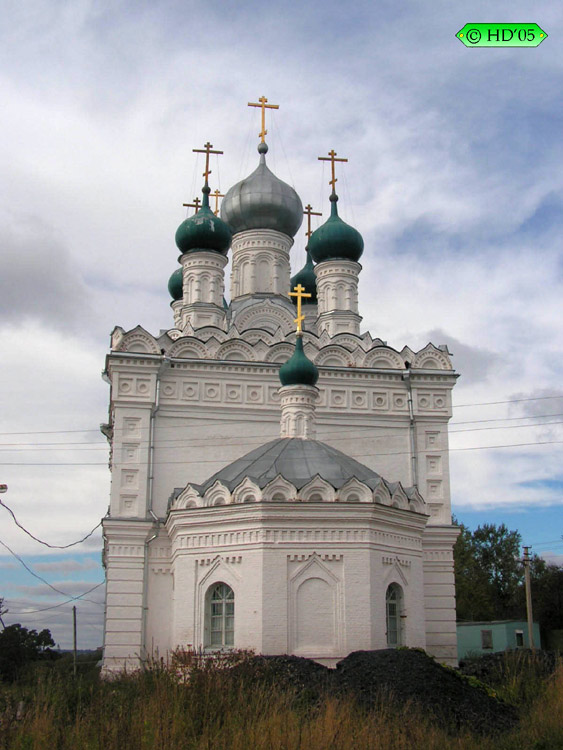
(345, 350)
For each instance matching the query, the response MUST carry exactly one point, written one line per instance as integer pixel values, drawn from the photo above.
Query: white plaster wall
(265, 555)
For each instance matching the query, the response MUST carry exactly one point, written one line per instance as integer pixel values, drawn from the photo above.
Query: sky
(454, 179)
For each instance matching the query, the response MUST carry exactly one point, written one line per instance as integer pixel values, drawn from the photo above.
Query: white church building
(273, 488)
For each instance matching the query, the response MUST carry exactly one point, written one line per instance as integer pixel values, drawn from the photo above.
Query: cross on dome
(332, 159)
(196, 204)
(308, 213)
(207, 150)
(216, 194)
(301, 294)
(262, 103)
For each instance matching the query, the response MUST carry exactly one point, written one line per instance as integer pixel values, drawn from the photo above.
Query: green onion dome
(298, 370)
(203, 231)
(175, 285)
(262, 201)
(335, 240)
(306, 277)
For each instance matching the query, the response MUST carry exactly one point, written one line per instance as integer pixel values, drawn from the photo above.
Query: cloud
(68, 566)
(39, 279)
(70, 588)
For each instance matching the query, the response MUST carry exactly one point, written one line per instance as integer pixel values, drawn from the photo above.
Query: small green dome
(298, 370)
(203, 231)
(306, 277)
(335, 240)
(175, 285)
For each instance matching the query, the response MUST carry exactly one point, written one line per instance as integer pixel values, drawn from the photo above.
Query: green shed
(477, 638)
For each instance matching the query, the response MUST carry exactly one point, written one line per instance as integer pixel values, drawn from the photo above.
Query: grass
(209, 711)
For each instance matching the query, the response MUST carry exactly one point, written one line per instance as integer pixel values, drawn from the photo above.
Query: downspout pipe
(164, 365)
(412, 426)
(144, 654)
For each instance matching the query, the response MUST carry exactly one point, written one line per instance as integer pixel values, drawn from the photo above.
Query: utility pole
(526, 561)
(74, 634)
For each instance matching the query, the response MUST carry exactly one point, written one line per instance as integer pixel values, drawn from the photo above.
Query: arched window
(220, 616)
(393, 605)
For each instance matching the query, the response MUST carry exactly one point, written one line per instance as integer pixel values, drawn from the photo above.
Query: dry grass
(211, 712)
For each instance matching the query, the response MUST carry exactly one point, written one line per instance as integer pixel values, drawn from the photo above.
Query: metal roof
(296, 460)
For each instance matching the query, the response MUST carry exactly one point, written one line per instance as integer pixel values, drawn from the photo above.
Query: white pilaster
(260, 263)
(126, 567)
(337, 293)
(298, 411)
(177, 312)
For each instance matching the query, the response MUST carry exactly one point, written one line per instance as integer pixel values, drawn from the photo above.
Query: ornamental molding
(137, 340)
(188, 347)
(432, 358)
(317, 490)
(396, 572)
(325, 557)
(265, 333)
(237, 349)
(269, 316)
(263, 238)
(186, 539)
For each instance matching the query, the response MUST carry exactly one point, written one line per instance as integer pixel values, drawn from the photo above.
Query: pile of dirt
(495, 668)
(396, 675)
(310, 679)
(412, 675)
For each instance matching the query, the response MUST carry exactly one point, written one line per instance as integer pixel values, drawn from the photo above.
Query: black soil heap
(411, 675)
(397, 675)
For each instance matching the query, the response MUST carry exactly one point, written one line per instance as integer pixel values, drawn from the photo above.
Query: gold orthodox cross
(300, 293)
(217, 195)
(207, 149)
(262, 103)
(332, 159)
(308, 213)
(196, 204)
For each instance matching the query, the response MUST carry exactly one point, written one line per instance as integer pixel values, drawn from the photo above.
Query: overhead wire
(41, 541)
(204, 442)
(103, 443)
(62, 604)
(218, 460)
(40, 578)
(455, 406)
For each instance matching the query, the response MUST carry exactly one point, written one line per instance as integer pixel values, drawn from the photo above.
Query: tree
(488, 573)
(547, 594)
(498, 553)
(473, 596)
(20, 646)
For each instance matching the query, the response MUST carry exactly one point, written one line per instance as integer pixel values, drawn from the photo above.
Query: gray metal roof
(296, 460)
(262, 201)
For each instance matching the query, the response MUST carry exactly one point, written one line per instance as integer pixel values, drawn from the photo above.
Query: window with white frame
(393, 606)
(220, 616)
(519, 639)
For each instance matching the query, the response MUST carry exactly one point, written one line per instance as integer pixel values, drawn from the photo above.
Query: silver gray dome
(296, 460)
(262, 201)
